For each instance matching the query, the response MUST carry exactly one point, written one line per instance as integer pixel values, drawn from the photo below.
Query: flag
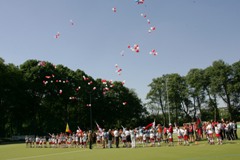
(199, 122)
(148, 126)
(199, 126)
(99, 128)
(153, 126)
(67, 129)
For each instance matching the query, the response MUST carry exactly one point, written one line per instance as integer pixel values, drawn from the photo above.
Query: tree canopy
(202, 92)
(44, 97)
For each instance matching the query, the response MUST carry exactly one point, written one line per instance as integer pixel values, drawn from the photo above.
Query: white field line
(46, 155)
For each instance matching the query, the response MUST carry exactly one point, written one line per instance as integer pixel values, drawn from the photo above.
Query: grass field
(230, 150)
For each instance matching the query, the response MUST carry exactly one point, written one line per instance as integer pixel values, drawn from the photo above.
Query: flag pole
(169, 118)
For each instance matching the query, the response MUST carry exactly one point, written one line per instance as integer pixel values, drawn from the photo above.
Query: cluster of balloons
(118, 69)
(71, 22)
(135, 48)
(151, 29)
(114, 9)
(145, 16)
(139, 1)
(42, 63)
(57, 35)
(108, 86)
(153, 52)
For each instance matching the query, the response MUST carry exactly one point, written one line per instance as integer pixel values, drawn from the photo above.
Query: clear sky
(189, 34)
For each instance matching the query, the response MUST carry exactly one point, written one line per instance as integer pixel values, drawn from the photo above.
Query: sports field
(230, 150)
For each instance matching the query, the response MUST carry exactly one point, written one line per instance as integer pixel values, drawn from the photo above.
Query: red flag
(199, 123)
(199, 126)
(148, 126)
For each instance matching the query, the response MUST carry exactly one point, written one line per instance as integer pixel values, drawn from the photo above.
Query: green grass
(230, 150)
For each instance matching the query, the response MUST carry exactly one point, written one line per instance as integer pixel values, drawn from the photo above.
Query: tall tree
(221, 83)
(13, 100)
(179, 97)
(3, 77)
(211, 92)
(195, 81)
(157, 96)
(236, 86)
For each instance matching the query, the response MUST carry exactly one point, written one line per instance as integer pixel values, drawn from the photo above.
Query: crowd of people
(214, 132)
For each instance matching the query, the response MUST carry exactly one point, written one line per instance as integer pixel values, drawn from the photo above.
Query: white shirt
(127, 132)
(116, 133)
(132, 134)
(179, 132)
(217, 130)
(209, 129)
(151, 135)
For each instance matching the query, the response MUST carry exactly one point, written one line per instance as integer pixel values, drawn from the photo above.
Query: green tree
(118, 105)
(211, 94)
(221, 83)
(195, 82)
(3, 77)
(158, 98)
(180, 105)
(235, 88)
(13, 105)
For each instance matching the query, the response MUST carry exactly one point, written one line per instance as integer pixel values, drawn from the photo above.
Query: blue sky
(189, 34)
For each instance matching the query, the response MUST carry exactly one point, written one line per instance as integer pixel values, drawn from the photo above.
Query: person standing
(133, 138)
(87, 137)
(179, 135)
(27, 141)
(124, 139)
(141, 135)
(116, 137)
(231, 132)
(127, 132)
(144, 138)
(220, 127)
(152, 138)
(159, 134)
(235, 130)
(191, 132)
(223, 133)
(170, 133)
(217, 130)
(165, 139)
(104, 138)
(209, 129)
(185, 135)
(227, 130)
(98, 139)
(110, 138)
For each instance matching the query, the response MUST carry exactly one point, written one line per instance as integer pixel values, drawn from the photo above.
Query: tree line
(38, 97)
(202, 92)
